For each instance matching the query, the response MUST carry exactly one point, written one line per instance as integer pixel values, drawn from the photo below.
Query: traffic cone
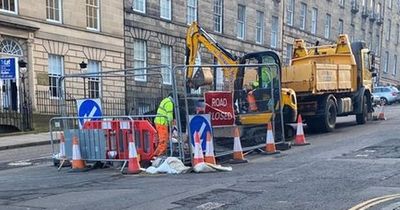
(133, 162)
(270, 148)
(77, 162)
(209, 157)
(198, 152)
(62, 146)
(381, 115)
(238, 156)
(300, 139)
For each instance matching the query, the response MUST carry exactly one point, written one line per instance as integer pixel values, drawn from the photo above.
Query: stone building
(155, 32)
(159, 26)
(390, 47)
(53, 37)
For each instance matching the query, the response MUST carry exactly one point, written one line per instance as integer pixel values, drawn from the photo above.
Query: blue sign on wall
(89, 108)
(200, 123)
(8, 68)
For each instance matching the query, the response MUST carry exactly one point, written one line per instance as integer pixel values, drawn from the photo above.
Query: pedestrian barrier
(232, 104)
(105, 140)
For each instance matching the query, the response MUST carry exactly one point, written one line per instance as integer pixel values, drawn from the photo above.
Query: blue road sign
(200, 123)
(8, 68)
(88, 108)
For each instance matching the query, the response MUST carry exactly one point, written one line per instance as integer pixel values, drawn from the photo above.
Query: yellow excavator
(240, 80)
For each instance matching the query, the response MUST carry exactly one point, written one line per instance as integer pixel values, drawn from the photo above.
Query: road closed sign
(219, 104)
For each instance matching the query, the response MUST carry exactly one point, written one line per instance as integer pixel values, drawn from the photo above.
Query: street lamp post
(83, 66)
(22, 70)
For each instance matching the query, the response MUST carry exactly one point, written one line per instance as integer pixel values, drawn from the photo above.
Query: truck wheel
(362, 117)
(328, 120)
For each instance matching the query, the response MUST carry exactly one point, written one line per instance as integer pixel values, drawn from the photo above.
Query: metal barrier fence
(106, 139)
(252, 123)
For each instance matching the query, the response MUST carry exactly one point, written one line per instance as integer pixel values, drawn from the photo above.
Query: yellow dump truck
(330, 81)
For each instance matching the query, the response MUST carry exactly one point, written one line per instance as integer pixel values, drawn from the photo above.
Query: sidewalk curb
(29, 144)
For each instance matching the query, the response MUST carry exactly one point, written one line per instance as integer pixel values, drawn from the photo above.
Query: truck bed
(318, 78)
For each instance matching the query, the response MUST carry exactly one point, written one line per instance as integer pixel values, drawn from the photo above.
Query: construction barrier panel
(107, 139)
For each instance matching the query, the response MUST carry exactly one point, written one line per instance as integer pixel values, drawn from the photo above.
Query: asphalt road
(337, 171)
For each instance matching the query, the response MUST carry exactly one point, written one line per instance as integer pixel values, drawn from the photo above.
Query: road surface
(356, 164)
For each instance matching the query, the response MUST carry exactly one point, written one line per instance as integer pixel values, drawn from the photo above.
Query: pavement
(24, 140)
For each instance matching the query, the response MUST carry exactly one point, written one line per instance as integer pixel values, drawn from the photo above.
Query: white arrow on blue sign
(200, 123)
(88, 108)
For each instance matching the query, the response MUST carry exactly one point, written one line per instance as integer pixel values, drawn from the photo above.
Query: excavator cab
(257, 89)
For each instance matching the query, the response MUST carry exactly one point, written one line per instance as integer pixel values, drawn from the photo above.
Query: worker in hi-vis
(165, 117)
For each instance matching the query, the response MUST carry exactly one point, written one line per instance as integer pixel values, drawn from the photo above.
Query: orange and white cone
(198, 156)
(62, 146)
(209, 157)
(238, 156)
(77, 162)
(270, 148)
(300, 139)
(381, 115)
(133, 162)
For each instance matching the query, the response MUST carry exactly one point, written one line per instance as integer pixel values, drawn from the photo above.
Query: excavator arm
(195, 38)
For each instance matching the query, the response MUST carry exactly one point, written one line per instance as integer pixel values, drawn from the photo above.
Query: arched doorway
(9, 87)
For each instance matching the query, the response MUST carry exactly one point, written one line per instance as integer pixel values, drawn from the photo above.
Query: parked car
(398, 93)
(388, 94)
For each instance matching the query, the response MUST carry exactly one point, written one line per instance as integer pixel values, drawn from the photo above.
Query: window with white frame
(139, 6)
(92, 14)
(328, 22)
(390, 4)
(364, 3)
(191, 11)
(140, 59)
(378, 9)
(166, 59)
(372, 5)
(314, 19)
(274, 31)
(397, 33)
(341, 3)
(290, 12)
(54, 10)
(377, 44)
(55, 71)
(352, 32)
(94, 67)
(394, 65)
(218, 15)
(389, 28)
(289, 52)
(241, 21)
(8, 6)
(340, 28)
(386, 66)
(165, 9)
(303, 16)
(260, 27)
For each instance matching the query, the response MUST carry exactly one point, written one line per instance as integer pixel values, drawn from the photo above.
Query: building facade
(158, 27)
(54, 37)
(155, 34)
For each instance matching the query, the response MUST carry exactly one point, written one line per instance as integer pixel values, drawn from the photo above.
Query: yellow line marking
(372, 202)
(378, 202)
